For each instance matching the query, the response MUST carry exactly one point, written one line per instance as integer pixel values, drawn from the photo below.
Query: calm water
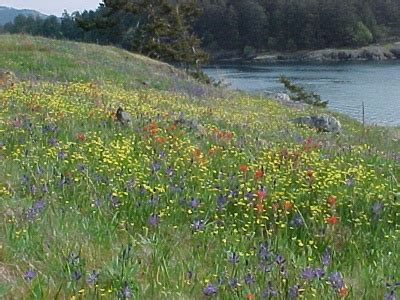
(344, 85)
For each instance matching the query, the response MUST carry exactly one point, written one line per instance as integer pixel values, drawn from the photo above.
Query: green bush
(362, 35)
(298, 93)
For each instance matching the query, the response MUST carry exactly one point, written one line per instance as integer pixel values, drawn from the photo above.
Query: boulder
(322, 122)
(123, 117)
(396, 51)
(278, 96)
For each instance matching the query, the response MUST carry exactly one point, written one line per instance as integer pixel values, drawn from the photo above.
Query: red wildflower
(275, 205)
(259, 173)
(288, 205)
(250, 296)
(343, 292)
(80, 136)
(260, 207)
(332, 220)
(161, 140)
(261, 194)
(243, 168)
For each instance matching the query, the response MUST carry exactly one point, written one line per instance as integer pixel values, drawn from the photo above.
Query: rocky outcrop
(278, 96)
(396, 50)
(324, 123)
(365, 53)
(374, 52)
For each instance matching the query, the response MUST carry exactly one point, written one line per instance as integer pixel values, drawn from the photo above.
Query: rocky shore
(373, 53)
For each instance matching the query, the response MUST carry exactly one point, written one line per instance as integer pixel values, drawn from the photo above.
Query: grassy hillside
(208, 194)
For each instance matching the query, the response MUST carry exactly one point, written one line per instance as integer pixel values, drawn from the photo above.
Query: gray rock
(278, 96)
(322, 122)
(123, 117)
(396, 51)
(374, 52)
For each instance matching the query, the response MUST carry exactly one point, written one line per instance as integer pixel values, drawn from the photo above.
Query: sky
(53, 7)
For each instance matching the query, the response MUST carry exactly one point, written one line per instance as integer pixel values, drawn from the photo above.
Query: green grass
(163, 209)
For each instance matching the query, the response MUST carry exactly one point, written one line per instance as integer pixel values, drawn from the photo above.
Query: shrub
(298, 93)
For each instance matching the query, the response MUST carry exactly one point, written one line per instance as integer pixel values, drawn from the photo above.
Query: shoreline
(374, 52)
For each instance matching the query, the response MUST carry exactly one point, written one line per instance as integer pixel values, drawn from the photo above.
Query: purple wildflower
(308, 273)
(197, 225)
(390, 295)
(114, 201)
(221, 281)
(130, 184)
(210, 290)
(39, 205)
(24, 180)
(249, 195)
(297, 220)
(319, 273)
(154, 219)
(153, 201)
(92, 277)
(170, 171)
(62, 155)
(350, 181)
(221, 200)
(29, 274)
(33, 189)
(336, 280)
(280, 259)
(44, 188)
(326, 257)
(294, 291)
(283, 271)
(233, 258)
(156, 166)
(249, 279)
(234, 193)
(30, 213)
(265, 267)
(269, 291)
(264, 252)
(76, 275)
(73, 259)
(377, 208)
(194, 203)
(96, 202)
(53, 142)
(126, 291)
(233, 283)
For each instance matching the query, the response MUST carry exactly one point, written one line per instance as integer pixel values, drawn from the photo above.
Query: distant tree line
(176, 30)
(51, 27)
(290, 25)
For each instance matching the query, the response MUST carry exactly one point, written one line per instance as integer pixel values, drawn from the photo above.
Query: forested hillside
(296, 24)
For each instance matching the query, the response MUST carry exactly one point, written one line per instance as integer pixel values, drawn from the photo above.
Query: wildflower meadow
(205, 194)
